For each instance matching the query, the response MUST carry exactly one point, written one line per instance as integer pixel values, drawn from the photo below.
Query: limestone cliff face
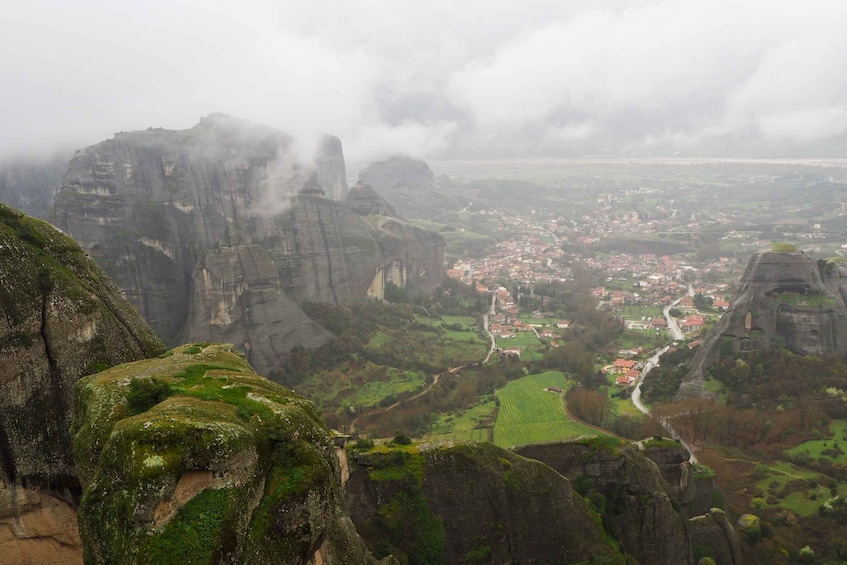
(785, 299)
(638, 511)
(409, 187)
(62, 319)
(193, 458)
(218, 231)
(472, 503)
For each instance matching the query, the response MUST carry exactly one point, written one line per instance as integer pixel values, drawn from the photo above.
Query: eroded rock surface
(472, 503)
(218, 233)
(785, 299)
(638, 511)
(62, 318)
(219, 466)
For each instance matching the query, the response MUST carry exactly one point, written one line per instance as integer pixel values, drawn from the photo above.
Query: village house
(621, 366)
(628, 378)
(692, 323)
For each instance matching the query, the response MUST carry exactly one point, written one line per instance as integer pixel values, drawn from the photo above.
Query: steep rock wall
(473, 502)
(154, 206)
(29, 184)
(62, 318)
(408, 185)
(639, 513)
(785, 299)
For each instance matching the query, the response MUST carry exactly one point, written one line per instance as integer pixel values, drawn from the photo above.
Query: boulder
(472, 503)
(194, 458)
(637, 510)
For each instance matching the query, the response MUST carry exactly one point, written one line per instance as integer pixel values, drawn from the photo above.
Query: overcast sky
(434, 78)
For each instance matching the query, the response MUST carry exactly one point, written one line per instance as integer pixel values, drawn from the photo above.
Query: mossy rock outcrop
(194, 458)
(63, 318)
(472, 503)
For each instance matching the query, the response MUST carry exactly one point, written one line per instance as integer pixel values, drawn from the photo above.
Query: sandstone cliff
(219, 232)
(409, 186)
(785, 299)
(472, 503)
(62, 319)
(193, 458)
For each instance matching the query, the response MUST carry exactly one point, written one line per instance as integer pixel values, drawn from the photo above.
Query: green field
(835, 445)
(472, 424)
(526, 342)
(367, 387)
(805, 498)
(529, 414)
(638, 311)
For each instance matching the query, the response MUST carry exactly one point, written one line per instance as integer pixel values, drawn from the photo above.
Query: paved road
(651, 364)
(491, 311)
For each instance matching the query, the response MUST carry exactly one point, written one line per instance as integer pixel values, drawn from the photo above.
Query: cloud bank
(436, 79)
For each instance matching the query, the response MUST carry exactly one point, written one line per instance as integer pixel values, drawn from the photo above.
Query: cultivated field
(529, 414)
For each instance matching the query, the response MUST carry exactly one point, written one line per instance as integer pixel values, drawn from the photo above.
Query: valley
(432, 317)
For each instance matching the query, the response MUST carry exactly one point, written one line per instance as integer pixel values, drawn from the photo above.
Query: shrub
(400, 438)
(144, 394)
(363, 444)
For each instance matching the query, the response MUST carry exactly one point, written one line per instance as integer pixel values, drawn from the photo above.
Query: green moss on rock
(229, 467)
(64, 319)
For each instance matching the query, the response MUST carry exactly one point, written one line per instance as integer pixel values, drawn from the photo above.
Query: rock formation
(218, 233)
(713, 530)
(409, 186)
(785, 299)
(363, 199)
(649, 491)
(30, 184)
(638, 511)
(193, 458)
(62, 319)
(472, 503)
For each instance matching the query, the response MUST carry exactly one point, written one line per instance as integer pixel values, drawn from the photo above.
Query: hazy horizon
(474, 80)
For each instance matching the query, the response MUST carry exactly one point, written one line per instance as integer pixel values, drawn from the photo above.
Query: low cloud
(436, 79)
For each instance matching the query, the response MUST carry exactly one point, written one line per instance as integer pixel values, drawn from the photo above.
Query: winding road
(491, 311)
(652, 363)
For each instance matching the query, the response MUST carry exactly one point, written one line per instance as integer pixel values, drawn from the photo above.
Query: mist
(438, 79)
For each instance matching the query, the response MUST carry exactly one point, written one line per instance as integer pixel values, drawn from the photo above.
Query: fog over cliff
(474, 79)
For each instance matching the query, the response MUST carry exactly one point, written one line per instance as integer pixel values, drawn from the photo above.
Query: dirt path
(399, 402)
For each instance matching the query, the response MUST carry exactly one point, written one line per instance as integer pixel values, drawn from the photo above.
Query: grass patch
(473, 424)
(826, 448)
(783, 247)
